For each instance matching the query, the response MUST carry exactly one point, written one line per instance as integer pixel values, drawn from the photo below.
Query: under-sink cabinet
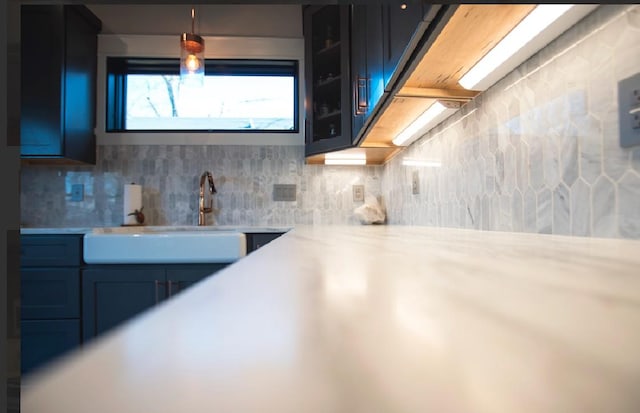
(113, 294)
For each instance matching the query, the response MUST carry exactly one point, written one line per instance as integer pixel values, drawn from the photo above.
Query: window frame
(217, 47)
(118, 67)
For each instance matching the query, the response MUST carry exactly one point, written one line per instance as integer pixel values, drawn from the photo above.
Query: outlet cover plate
(284, 192)
(358, 193)
(629, 111)
(77, 192)
(415, 183)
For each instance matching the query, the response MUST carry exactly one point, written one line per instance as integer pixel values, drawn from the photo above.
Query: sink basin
(163, 245)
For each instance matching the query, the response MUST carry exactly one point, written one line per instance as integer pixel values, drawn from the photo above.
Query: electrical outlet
(284, 192)
(629, 111)
(358, 193)
(77, 192)
(415, 183)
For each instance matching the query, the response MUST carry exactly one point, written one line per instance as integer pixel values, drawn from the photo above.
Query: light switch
(629, 111)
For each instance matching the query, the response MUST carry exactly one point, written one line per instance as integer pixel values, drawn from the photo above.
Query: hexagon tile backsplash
(539, 151)
(170, 175)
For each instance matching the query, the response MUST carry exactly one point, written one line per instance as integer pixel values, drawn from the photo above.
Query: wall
(256, 20)
(538, 151)
(170, 174)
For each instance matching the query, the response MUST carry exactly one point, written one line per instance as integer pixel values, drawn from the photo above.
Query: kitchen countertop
(133, 228)
(377, 319)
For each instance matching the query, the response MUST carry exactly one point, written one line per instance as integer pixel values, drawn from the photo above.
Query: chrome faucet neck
(202, 209)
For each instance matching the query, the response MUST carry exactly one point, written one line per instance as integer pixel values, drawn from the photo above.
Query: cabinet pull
(170, 283)
(157, 284)
(361, 100)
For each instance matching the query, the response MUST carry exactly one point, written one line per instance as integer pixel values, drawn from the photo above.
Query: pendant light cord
(193, 16)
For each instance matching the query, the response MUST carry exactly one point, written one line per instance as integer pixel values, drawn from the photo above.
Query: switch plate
(284, 192)
(358, 193)
(415, 183)
(629, 111)
(77, 192)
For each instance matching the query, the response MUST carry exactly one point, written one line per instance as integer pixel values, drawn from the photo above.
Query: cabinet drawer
(48, 293)
(42, 341)
(50, 250)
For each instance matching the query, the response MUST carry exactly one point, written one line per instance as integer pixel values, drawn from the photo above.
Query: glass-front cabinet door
(327, 79)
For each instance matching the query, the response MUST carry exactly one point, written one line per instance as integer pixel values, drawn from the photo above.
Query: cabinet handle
(361, 92)
(157, 284)
(170, 283)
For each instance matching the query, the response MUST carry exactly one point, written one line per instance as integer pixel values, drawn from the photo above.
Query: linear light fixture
(353, 158)
(436, 113)
(427, 163)
(531, 26)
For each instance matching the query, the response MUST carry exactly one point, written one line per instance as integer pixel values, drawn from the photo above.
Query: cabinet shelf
(326, 83)
(329, 115)
(334, 48)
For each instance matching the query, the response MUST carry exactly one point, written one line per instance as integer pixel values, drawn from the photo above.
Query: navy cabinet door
(111, 296)
(366, 63)
(42, 341)
(327, 71)
(182, 277)
(400, 24)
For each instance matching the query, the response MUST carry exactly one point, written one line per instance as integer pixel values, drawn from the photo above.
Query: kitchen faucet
(212, 190)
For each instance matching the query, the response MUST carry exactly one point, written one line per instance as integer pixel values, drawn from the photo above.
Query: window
(145, 94)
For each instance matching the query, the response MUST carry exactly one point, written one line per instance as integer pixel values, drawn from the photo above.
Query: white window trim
(215, 47)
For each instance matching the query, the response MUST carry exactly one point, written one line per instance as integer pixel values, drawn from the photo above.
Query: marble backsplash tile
(244, 177)
(539, 151)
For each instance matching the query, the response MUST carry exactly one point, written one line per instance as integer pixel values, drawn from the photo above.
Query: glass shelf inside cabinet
(327, 78)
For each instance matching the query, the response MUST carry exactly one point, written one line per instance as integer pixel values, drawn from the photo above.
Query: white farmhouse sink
(163, 245)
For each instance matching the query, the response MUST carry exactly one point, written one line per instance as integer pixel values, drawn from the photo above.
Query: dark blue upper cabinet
(58, 66)
(403, 26)
(327, 78)
(366, 63)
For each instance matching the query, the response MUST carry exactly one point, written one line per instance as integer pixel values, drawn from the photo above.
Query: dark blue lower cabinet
(180, 278)
(42, 341)
(113, 294)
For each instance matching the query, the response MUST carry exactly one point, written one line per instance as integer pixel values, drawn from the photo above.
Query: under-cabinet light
(345, 159)
(427, 163)
(436, 113)
(530, 27)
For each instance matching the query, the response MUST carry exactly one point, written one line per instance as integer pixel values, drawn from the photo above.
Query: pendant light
(192, 55)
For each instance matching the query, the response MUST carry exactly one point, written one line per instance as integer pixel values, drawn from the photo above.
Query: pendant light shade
(192, 55)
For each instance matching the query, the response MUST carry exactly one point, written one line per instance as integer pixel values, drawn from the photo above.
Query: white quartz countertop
(377, 319)
(147, 228)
